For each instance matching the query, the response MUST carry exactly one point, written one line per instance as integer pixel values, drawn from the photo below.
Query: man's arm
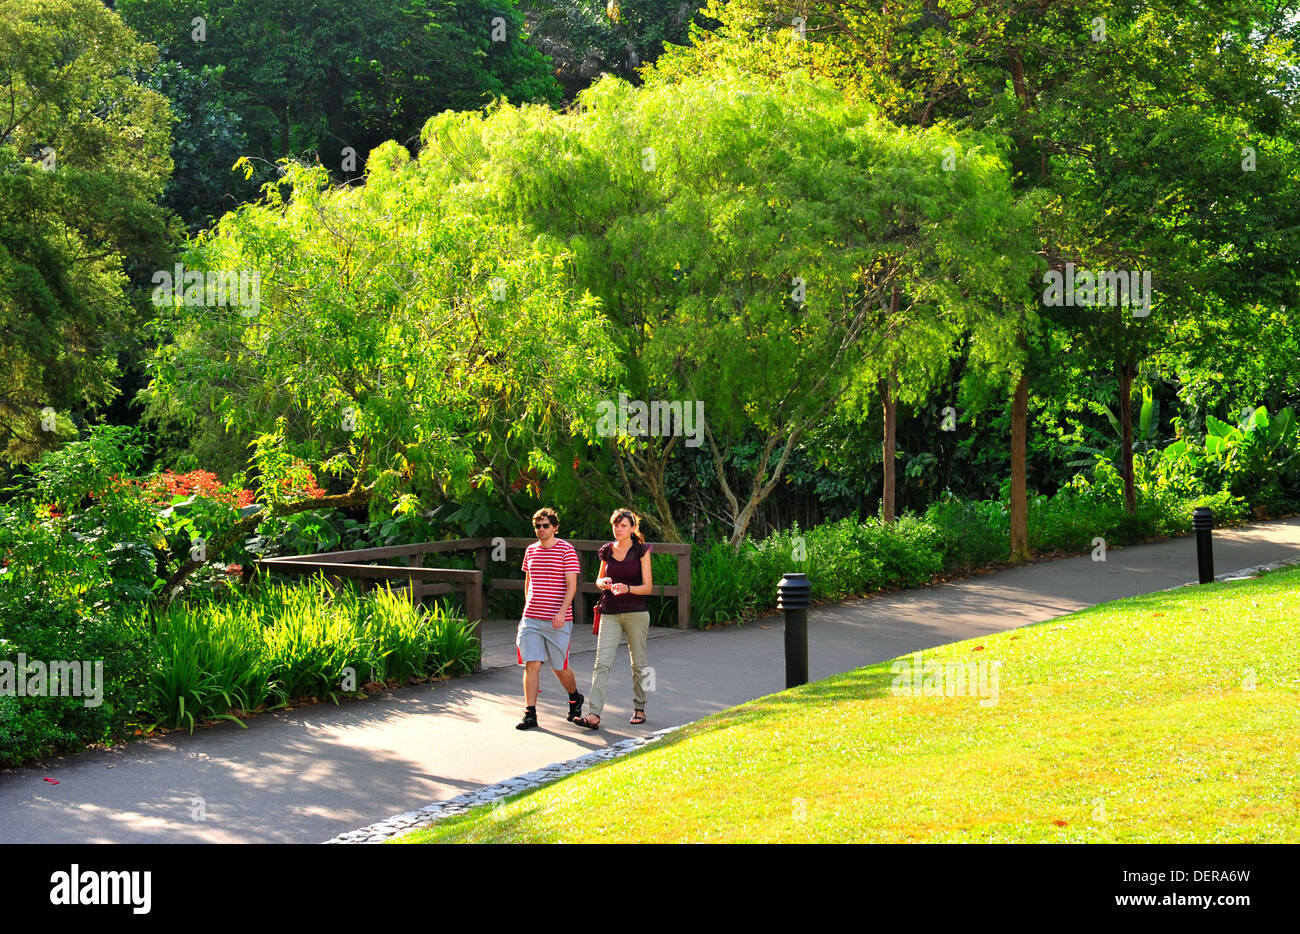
(570, 588)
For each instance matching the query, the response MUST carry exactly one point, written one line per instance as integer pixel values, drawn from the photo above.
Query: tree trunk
(890, 405)
(655, 487)
(334, 86)
(762, 485)
(649, 471)
(887, 385)
(1126, 436)
(1019, 486)
(740, 524)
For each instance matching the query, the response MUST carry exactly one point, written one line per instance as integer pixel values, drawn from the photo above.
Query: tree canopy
(743, 236)
(407, 342)
(83, 161)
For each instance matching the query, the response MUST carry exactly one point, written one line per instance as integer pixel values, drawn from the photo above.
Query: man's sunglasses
(541, 525)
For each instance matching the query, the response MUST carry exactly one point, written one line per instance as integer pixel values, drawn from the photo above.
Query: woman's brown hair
(632, 517)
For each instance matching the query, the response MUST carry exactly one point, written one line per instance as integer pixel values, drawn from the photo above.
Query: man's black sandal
(583, 721)
(575, 708)
(529, 722)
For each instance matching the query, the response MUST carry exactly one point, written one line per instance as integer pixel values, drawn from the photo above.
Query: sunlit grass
(1170, 717)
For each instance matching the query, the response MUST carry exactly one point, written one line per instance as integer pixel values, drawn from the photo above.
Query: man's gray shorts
(538, 641)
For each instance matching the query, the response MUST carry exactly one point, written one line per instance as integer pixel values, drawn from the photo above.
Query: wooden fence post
(474, 611)
(684, 591)
(417, 587)
(481, 563)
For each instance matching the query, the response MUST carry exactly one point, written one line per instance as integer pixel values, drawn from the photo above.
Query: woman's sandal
(638, 716)
(586, 721)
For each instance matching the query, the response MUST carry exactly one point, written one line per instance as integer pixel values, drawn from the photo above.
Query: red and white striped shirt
(546, 568)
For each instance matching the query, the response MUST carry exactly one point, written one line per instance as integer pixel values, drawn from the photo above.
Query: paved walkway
(305, 775)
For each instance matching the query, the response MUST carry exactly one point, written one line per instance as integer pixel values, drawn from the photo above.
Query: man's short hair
(546, 512)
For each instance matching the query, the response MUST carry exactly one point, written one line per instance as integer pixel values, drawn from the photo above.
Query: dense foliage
(83, 161)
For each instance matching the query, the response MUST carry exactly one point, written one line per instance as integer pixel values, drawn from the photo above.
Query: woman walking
(625, 580)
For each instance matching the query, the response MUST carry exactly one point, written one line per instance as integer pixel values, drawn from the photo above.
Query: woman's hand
(603, 583)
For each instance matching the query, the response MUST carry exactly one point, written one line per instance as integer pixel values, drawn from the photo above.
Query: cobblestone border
(490, 794)
(1244, 573)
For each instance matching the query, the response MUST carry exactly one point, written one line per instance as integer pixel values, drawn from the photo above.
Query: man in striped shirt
(550, 583)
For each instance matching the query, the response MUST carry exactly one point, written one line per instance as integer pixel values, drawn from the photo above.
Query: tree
(390, 332)
(208, 139)
(83, 160)
(742, 237)
(585, 38)
(906, 78)
(345, 75)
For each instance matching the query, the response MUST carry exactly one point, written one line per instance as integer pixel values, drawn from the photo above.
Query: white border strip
(490, 794)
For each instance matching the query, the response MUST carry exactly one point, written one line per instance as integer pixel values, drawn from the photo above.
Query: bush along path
(220, 658)
(287, 642)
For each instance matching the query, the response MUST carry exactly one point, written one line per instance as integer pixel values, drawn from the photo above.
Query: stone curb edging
(401, 823)
(1244, 573)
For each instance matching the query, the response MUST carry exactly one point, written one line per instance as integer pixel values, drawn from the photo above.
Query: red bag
(595, 625)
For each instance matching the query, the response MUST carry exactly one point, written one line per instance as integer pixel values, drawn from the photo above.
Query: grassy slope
(1171, 717)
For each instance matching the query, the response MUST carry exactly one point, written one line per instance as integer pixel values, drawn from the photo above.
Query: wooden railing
(681, 591)
(422, 581)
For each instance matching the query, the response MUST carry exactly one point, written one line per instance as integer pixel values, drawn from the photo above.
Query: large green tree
(407, 342)
(83, 161)
(338, 75)
(744, 236)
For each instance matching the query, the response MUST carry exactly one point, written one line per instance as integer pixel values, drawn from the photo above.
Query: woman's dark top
(627, 571)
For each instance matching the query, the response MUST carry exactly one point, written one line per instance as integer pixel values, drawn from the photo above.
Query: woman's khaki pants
(613, 626)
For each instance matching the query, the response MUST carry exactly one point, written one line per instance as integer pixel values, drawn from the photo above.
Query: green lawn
(1172, 717)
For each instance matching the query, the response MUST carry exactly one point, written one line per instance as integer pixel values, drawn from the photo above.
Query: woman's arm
(600, 576)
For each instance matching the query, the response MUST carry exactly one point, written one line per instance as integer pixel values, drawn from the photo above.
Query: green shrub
(45, 628)
(973, 533)
(837, 563)
(310, 637)
(718, 578)
(910, 550)
(283, 642)
(1067, 521)
(452, 649)
(766, 562)
(851, 556)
